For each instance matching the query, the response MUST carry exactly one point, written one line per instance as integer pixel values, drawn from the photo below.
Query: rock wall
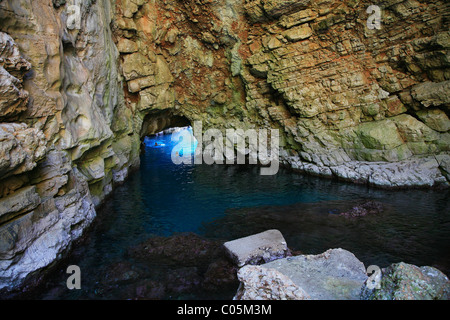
(360, 104)
(66, 134)
(351, 97)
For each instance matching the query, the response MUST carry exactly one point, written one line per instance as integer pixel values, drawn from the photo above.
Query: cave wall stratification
(363, 105)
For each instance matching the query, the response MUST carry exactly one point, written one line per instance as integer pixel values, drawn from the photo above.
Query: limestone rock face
(79, 90)
(338, 275)
(333, 275)
(22, 200)
(402, 281)
(13, 98)
(20, 149)
(259, 283)
(345, 95)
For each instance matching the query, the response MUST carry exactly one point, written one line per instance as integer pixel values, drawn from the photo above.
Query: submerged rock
(402, 281)
(295, 65)
(220, 275)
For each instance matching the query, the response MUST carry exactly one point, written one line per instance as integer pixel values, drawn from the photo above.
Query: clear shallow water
(227, 202)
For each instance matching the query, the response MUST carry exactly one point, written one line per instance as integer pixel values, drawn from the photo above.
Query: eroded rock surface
(363, 209)
(342, 95)
(259, 283)
(403, 281)
(333, 275)
(338, 275)
(368, 106)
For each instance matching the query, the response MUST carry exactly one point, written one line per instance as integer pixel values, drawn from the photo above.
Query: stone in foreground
(259, 248)
(333, 275)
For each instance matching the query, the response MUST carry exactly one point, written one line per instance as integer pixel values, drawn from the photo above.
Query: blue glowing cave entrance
(175, 142)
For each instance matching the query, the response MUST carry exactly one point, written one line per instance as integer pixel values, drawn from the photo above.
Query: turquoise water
(227, 202)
